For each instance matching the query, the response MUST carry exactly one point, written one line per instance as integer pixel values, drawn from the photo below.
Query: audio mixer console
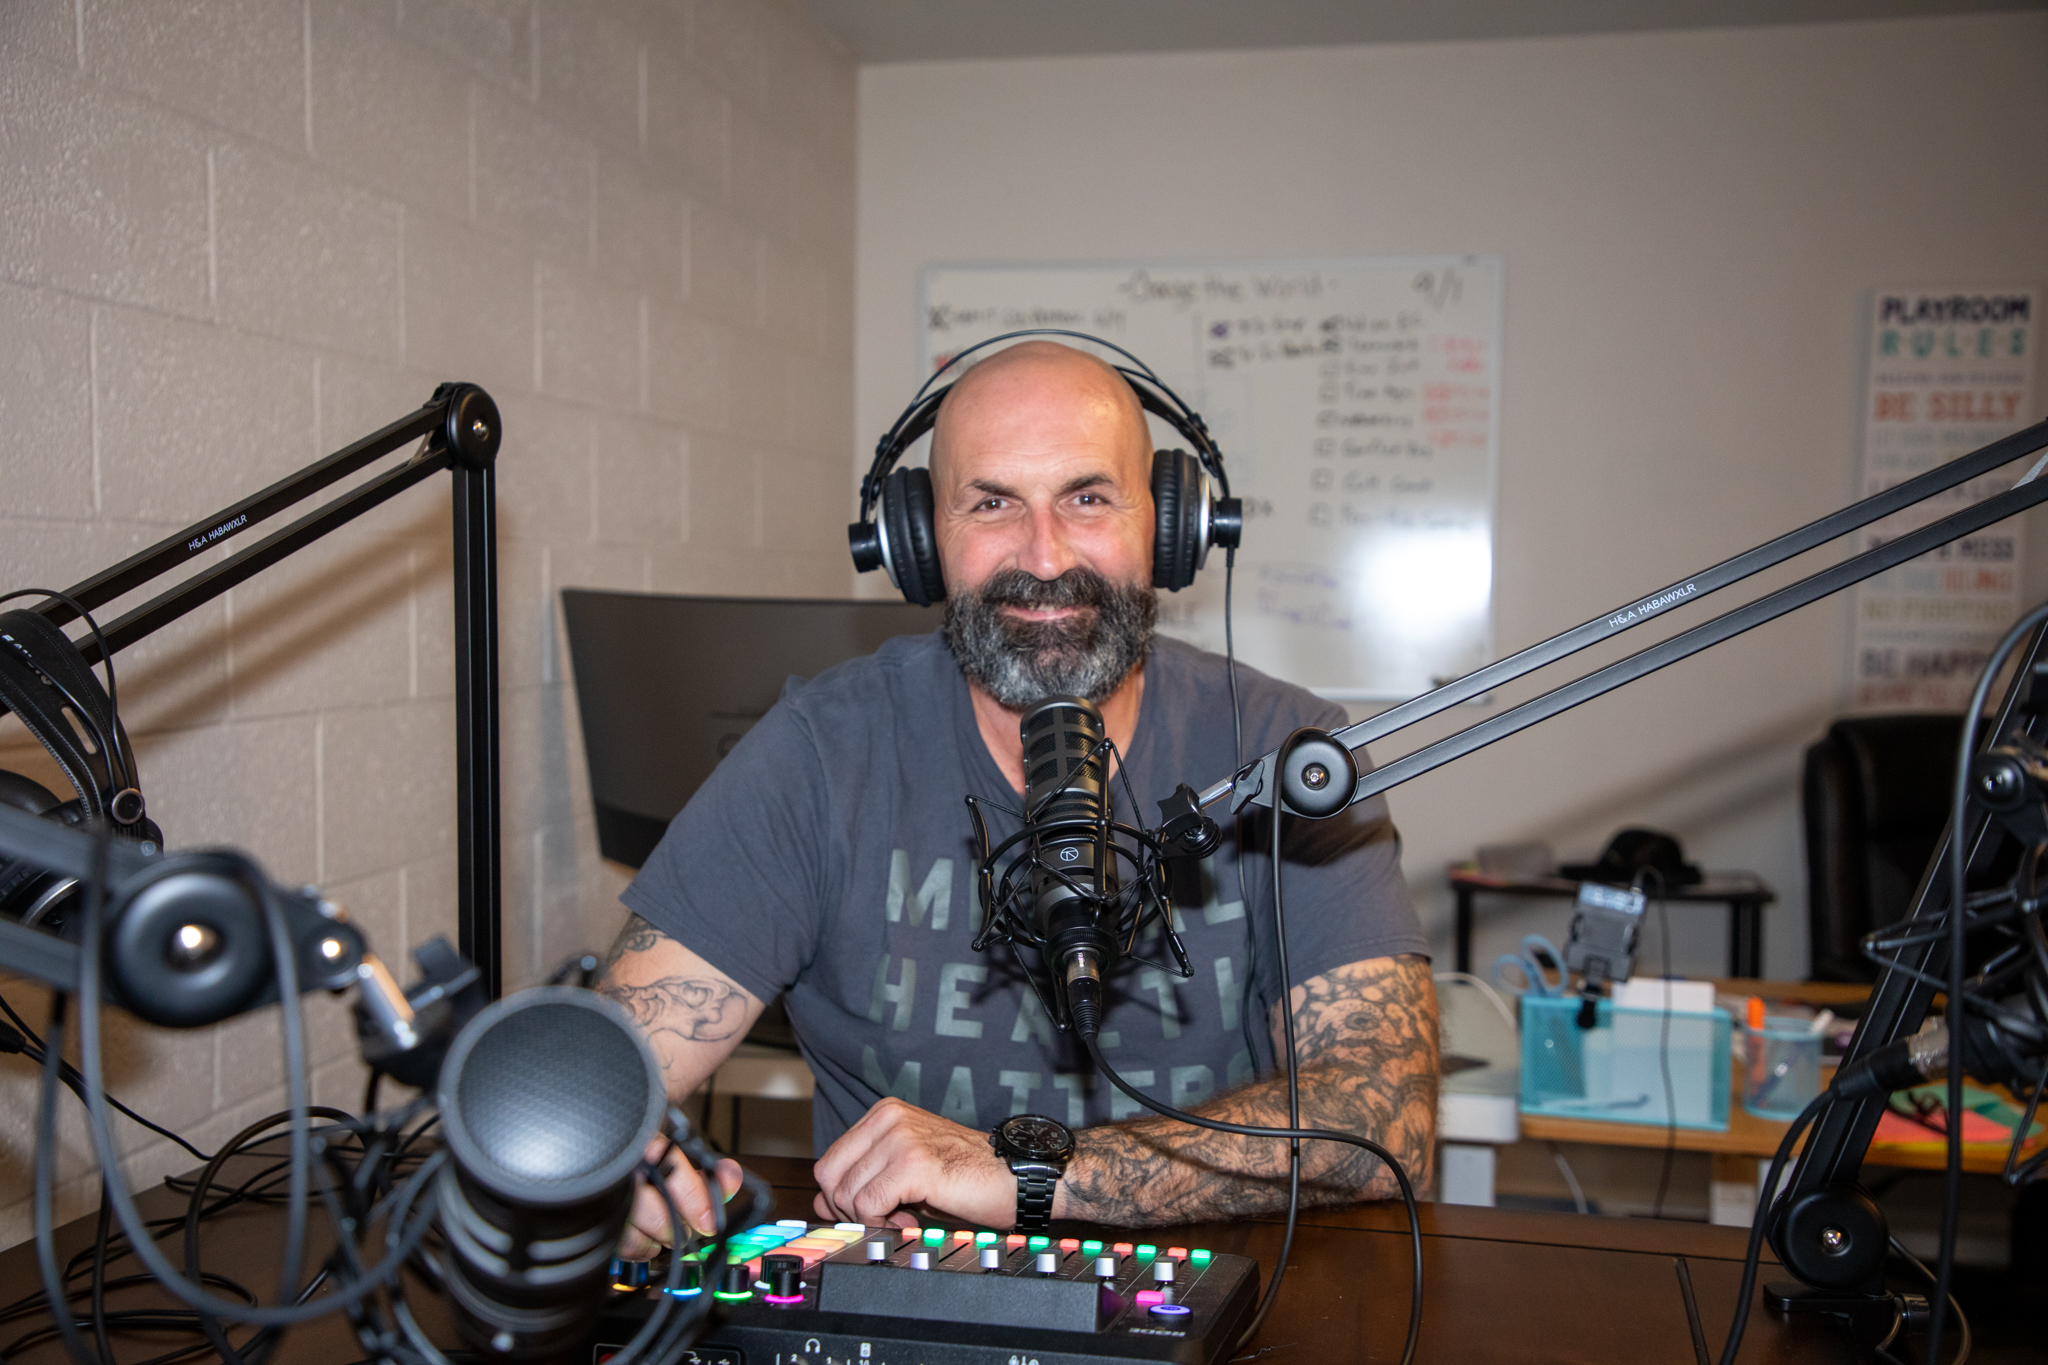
(843, 1294)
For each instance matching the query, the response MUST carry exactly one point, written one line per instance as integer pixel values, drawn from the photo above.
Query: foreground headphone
(896, 530)
(47, 683)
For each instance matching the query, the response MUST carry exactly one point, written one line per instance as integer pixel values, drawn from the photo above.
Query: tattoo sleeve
(1367, 1040)
(670, 1009)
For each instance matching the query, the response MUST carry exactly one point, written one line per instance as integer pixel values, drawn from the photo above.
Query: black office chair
(1876, 796)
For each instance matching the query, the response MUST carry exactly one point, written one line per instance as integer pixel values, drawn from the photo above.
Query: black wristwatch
(1038, 1149)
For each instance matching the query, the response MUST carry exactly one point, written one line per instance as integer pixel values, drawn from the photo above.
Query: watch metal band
(1034, 1202)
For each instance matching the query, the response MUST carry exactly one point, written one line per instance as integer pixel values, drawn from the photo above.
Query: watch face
(1037, 1137)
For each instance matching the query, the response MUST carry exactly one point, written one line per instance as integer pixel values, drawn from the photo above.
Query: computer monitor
(667, 684)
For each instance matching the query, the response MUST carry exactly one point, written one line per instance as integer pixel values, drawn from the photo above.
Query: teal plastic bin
(1613, 1071)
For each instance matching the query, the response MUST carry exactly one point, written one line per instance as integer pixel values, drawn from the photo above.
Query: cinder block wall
(238, 234)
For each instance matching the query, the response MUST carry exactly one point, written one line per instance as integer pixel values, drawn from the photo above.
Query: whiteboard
(1357, 405)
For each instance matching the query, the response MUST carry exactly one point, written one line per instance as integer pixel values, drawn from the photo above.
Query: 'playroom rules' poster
(1948, 371)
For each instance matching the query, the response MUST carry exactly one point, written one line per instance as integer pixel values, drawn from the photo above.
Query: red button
(1070, 1244)
(1176, 1253)
(1122, 1248)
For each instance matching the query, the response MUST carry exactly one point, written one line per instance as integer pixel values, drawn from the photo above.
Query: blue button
(1170, 1310)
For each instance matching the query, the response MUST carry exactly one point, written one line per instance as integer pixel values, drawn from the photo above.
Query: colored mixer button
(1122, 1248)
(1169, 1310)
(984, 1239)
(1039, 1243)
(934, 1237)
(1091, 1248)
(1200, 1256)
(1015, 1240)
(962, 1235)
(1069, 1245)
(1147, 1250)
(1148, 1298)
(1176, 1253)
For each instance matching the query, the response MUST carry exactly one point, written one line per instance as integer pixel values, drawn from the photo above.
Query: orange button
(1070, 1245)
(1122, 1248)
(962, 1235)
(1014, 1240)
(1176, 1253)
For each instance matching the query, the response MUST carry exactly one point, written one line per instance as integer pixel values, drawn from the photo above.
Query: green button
(982, 1239)
(1040, 1243)
(1091, 1248)
(934, 1237)
(1199, 1257)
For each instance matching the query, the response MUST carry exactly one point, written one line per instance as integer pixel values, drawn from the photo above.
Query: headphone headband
(1153, 395)
(896, 527)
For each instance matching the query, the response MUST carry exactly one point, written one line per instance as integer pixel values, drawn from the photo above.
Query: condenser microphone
(548, 1101)
(1073, 877)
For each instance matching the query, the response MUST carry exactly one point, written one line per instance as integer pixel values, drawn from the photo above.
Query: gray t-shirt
(830, 856)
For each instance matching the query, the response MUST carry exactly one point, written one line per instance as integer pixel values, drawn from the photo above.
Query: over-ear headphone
(896, 530)
(46, 681)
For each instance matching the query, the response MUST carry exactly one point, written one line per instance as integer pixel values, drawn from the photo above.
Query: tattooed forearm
(678, 1000)
(702, 1010)
(1367, 1038)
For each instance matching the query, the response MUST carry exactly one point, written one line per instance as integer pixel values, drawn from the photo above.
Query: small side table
(1744, 893)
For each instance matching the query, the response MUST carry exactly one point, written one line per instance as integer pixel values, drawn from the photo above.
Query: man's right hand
(648, 1228)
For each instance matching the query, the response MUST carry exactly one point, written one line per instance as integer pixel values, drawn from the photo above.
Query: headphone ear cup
(913, 536)
(1177, 519)
(23, 884)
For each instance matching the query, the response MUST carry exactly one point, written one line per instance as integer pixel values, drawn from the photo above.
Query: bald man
(828, 858)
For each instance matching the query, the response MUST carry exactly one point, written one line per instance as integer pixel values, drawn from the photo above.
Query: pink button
(1148, 1297)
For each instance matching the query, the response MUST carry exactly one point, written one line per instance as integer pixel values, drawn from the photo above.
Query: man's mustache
(1076, 587)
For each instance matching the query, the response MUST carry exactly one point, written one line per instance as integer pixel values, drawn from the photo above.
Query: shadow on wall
(1700, 793)
(1738, 805)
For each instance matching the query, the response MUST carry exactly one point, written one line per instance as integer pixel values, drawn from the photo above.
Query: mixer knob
(736, 1279)
(784, 1277)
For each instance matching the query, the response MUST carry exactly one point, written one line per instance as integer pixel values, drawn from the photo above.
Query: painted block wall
(238, 234)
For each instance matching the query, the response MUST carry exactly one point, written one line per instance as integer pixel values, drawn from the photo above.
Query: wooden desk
(1744, 893)
(1750, 1136)
(1500, 1285)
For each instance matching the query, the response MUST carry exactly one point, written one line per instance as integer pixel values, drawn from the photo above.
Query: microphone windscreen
(548, 1101)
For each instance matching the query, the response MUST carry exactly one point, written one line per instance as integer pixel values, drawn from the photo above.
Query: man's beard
(1087, 655)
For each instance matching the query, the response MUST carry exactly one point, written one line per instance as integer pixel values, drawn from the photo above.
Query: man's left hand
(899, 1155)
